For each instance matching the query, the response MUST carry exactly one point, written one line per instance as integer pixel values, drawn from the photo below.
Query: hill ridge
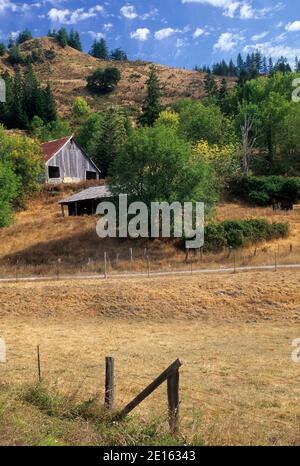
(67, 71)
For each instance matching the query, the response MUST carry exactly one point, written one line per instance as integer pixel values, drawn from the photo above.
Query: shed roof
(51, 148)
(96, 192)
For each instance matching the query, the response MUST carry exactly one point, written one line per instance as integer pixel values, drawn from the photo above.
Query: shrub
(2, 49)
(240, 233)
(103, 81)
(260, 190)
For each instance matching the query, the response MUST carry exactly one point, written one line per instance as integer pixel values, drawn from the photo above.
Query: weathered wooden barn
(85, 202)
(66, 162)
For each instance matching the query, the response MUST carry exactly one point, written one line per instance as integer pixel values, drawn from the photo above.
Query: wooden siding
(73, 164)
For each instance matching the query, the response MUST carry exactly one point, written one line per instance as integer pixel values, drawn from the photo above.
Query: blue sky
(181, 33)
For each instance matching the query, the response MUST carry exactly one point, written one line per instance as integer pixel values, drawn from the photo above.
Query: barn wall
(73, 164)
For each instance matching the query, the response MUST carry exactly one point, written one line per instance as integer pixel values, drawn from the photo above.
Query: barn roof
(97, 192)
(51, 148)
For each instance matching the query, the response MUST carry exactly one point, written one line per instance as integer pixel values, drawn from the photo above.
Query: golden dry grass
(40, 237)
(233, 332)
(67, 73)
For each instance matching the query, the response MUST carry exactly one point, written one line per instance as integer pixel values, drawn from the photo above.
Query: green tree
(49, 105)
(74, 40)
(118, 55)
(23, 155)
(99, 49)
(9, 187)
(103, 81)
(80, 107)
(201, 122)
(62, 37)
(2, 49)
(211, 87)
(89, 132)
(156, 165)
(168, 118)
(110, 137)
(24, 36)
(152, 105)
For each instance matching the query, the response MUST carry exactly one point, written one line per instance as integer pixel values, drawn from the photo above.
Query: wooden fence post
(173, 401)
(105, 264)
(148, 264)
(151, 388)
(109, 382)
(39, 363)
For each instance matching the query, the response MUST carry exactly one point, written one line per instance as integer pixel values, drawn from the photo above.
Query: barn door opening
(91, 175)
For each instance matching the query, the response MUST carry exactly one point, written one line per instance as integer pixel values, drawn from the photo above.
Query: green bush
(103, 81)
(260, 190)
(241, 233)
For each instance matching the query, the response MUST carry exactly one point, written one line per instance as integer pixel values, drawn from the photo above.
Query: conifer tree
(110, 137)
(152, 104)
(99, 49)
(49, 105)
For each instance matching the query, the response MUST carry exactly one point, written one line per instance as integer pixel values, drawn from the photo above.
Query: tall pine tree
(152, 104)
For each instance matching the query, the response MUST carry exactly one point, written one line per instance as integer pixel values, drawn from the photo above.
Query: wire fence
(145, 261)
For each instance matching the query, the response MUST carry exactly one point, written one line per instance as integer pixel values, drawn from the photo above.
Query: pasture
(234, 333)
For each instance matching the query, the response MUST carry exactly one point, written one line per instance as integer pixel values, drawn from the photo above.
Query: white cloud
(107, 27)
(293, 27)
(228, 41)
(96, 35)
(238, 9)
(260, 36)
(180, 43)
(141, 34)
(276, 51)
(165, 33)
(198, 33)
(73, 17)
(7, 5)
(128, 11)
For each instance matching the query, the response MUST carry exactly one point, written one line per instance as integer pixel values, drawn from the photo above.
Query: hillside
(68, 69)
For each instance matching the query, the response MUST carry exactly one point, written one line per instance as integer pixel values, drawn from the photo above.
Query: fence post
(148, 264)
(39, 363)
(109, 382)
(173, 401)
(131, 254)
(105, 264)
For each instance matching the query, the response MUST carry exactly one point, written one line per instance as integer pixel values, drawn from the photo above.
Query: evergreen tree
(152, 105)
(110, 137)
(74, 40)
(11, 41)
(2, 49)
(33, 97)
(222, 95)
(210, 86)
(49, 105)
(23, 37)
(99, 49)
(118, 55)
(62, 37)
(20, 119)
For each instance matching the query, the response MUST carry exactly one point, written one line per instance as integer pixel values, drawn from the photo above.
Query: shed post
(62, 210)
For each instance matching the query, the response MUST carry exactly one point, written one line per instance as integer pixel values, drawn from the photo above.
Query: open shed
(85, 202)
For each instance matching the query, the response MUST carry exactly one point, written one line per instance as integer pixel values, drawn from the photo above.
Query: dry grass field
(40, 237)
(176, 83)
(233, 332)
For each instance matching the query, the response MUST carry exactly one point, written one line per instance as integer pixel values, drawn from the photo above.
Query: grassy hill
(68, 69)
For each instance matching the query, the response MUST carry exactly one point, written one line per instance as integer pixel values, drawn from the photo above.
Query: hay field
(233, 332)
(40, 237)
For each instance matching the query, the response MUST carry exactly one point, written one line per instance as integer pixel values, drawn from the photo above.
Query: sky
(181, 33)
